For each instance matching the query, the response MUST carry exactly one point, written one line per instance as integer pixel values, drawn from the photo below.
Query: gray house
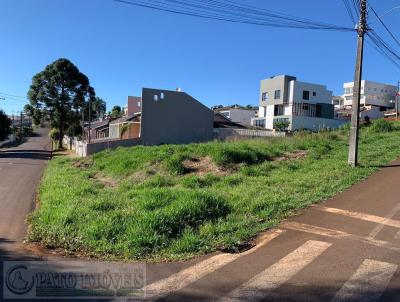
(174, 117)
(301, 105)
(166, 117)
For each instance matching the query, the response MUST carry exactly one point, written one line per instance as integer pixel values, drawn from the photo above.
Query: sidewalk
(345, 249)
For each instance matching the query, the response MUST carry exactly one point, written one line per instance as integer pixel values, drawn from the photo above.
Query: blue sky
(124, 48)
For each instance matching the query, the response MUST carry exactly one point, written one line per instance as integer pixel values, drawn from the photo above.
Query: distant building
(372, 94)
(375, 100)
(134, 105)
(238, 114)
(338, 102)
(302, 105)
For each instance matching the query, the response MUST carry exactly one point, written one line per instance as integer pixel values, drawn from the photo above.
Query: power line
(377, 48)
(385, 26)
(230, 11)
(12, 95)
(384, 49)
(349, 11)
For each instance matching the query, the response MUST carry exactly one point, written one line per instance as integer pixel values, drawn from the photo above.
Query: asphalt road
(21, 168)
(345, 249)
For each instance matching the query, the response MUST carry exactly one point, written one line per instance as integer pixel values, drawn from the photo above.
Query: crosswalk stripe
(361, 216)
(191, 274)
(278, 273)
(312, 229)
(368, 283)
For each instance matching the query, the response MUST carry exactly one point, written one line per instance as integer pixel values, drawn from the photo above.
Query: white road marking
(306, 228)
(368, 283)
(366, 217)
(278, 273)
(379, 227)
(191, 274)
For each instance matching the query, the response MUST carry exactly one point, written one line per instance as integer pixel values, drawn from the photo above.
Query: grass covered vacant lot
(173, 202)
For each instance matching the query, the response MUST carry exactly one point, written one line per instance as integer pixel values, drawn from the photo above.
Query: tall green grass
(158, 210)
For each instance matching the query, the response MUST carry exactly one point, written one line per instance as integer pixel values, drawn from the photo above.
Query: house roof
(234, 107)
(127, 118)
(221, 121)
(99, 124)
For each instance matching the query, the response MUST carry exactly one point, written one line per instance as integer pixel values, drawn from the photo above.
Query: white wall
(373, 113)
(269, 122)
(261, 111)
(241, 116)
(322, 94)
(313, 123)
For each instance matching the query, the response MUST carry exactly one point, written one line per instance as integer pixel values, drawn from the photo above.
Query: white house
(372, 94)
(302, 105)
(376, 98)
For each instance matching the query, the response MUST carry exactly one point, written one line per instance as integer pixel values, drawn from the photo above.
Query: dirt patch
(83, 163)
(202, 166)
(292, 155)
(106, 181)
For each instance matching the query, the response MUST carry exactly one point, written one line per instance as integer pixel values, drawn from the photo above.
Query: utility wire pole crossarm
(355, 116)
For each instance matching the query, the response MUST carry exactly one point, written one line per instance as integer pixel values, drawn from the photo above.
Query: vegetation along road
(173, 202)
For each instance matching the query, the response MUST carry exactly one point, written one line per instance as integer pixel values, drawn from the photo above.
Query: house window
(277, 95)
(305, 107)
(278, 110)
(348, 90)
(314, 93)
(306, 95)
(264, 96)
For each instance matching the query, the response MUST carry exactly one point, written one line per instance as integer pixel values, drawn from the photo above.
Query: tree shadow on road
(26, 154)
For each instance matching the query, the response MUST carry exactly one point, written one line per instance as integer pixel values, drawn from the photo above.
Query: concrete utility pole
(20, 126)
(355, 116)
(397, 100)
(90, 118)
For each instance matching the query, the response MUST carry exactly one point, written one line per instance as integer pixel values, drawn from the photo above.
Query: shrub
(382, 125)
(74, 130)
(54, 134)
(5, 124)
(282, 125)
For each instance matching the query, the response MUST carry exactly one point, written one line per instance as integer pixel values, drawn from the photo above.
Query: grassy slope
(156, 211)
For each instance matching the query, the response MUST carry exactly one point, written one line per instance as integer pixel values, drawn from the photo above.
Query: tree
(281, 125)
(98, 109)
(35, 113)
(5, 125)
(116, 112)
(60, 91)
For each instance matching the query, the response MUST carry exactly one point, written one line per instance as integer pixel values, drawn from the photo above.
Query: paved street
(345, 249)
(21, 168)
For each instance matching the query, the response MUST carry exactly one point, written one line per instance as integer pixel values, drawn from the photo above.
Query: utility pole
(397, 100)
(90, 116)
(355, 116)
(20, 126)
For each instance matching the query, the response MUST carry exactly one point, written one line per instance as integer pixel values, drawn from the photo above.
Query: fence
(230, 133)
(82, 148)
